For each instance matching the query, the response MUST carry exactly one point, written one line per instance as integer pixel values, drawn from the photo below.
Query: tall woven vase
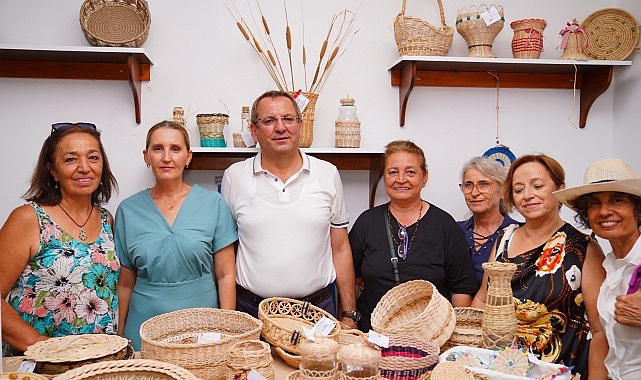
(499, 319)
(307, 127)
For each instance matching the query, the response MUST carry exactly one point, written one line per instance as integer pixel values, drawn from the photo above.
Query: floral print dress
(548, 298)
(69, 287)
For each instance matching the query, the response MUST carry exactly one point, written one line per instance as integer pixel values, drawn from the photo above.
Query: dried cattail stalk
(271, 57)
(265, 25)
(242, 30)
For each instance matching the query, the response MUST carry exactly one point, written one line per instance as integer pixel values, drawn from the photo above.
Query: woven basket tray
(139, 369)
(418, 37)
(612, 34)
(172, 337)
(415, 308)
(123, 23)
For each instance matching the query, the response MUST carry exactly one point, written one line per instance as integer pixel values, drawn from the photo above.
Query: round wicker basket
(115, 22)
(407, 357)
(138, 369)
(247, 355)
(527, 42)
(612, 34)
(468, 330)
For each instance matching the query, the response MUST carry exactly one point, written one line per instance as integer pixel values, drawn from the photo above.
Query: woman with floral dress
(59, 266)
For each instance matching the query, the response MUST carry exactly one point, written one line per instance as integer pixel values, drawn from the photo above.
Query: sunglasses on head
(62, 126)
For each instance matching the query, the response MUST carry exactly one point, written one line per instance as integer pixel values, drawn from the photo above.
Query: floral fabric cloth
(69, 287)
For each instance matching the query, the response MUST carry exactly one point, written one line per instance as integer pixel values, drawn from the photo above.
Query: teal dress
(174, 264)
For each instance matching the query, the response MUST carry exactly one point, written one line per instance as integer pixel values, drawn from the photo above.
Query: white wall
(201, 61)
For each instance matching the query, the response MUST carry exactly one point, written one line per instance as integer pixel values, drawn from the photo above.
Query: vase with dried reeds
(282, 58)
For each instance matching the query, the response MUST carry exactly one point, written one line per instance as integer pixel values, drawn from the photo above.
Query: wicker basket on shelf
(613, 34)
(211, 127)
(307, 120)
(418, 37)
(135, 369)
(173, 337)
(121, 23)
(527, 42)
(478, 35)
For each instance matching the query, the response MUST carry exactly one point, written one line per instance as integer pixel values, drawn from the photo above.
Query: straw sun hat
(611, 174)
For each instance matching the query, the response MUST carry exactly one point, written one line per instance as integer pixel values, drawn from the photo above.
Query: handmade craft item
(134, 369)
(467, 330)
(318, 358)
(359, 361)
(115, 22)
(499, 319)
(574, 41)
(211, 127)
(415, 36)
(474, 28)
(245, 356)
(528, 37)
(348, 127)
(613, 34)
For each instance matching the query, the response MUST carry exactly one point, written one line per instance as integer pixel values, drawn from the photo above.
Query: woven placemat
(73, 348)
(613, 34)
(450, 371)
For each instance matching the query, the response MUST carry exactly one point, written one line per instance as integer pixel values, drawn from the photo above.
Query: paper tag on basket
(302, 101)
(491, 16)
(255, 375)
(323, 327)
(209, 337)
(26, 366)
(378, 339)
(248, 139)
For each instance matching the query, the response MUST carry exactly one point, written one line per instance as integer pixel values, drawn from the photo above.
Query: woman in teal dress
(175, 241)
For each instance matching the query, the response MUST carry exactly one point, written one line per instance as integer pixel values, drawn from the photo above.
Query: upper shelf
(77, 62)
(591, 77)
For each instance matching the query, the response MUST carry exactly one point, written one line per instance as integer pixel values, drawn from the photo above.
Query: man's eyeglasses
(403, 247)
(288, 120)
(481, 186)
(62, 126)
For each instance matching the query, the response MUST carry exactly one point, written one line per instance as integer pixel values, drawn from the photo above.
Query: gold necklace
(82, 235)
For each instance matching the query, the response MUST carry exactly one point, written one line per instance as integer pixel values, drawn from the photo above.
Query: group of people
(280, 229)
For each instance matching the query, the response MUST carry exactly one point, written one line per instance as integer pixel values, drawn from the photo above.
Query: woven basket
(138, 369)
(247, 355)
(284, 319)
(527, 42)
(499, 322)
(451, 370)
(468, 330)
(407, 357)
(307, 127)
(348, 134)
(165, 337)
(22, 376)
(211, 126)
(613, 34)
(417, 37)
(289, 358)
(478, 35)
(415, 308)
(123, 23)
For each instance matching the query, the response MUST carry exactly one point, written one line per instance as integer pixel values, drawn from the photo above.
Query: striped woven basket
(527, 42)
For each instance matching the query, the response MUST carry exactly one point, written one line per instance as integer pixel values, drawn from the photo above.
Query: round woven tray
(451, 370)
(139, 369)
(613, 34)
(115, 22)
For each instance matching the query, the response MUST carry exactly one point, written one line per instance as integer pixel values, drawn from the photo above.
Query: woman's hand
(627, 309)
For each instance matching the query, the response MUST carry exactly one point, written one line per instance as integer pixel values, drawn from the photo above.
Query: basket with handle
(415, 36)
(211, 127)
(115, 22)
(478, 35)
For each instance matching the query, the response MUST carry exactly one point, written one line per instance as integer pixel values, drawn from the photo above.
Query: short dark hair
(580, 205)
(43, 186)
(554, 169)
(272, 94)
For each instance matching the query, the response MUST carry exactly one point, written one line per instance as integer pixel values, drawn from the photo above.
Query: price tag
(324, 326)
(27, 366)
(248, 139)
(209, 337)
(378, 339)
(491, 16)
(255, 375)
(302, 101)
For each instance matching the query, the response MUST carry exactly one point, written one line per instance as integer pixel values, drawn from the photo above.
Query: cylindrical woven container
(499, 319)
(478, 35)
(247, 355)
(135, 369)
(115, 22)
(415, 308)
(238, 140)
(172, 337)
(468, 330)
(307, 120)
(407, 357)
(418, 37)
(178, 115)
(359, 361)
(527, 42)
(211, 126)
(348, 134)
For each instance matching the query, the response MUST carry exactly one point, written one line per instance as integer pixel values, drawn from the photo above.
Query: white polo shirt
(284, 247)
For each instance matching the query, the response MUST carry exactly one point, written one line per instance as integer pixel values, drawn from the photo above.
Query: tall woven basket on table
(120, 23)
(417, 37)
(499, 322)
(478, 35)
(527, 42)
(173, 337)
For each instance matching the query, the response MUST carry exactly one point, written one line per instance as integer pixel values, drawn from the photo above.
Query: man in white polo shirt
(291, 215)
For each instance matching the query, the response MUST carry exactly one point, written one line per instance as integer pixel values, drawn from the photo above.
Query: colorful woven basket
(407, 358)
(115, 22)
(211, 126)
(527, 42)
(613, 34)
(417, 37)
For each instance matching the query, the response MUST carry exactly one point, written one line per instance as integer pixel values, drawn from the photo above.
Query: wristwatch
(354, 315)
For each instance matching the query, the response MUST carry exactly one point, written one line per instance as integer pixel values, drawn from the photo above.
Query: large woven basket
(407, 357)
(418, 37)
(172, 337)
(612, 34)
(478, 35)
(284, 319)
(135, 369)
(123, 23)
(468, 330)
(415, 308)
(527, 42)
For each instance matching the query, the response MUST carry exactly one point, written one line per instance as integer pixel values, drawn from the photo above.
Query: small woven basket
(247, 355)
(407, 357)
(418, 37)
(172, 337)
(478, 35)
(121, 23)
(468, 330)
(613, 34)
(348, 134)
(135, 369)
(211, 126)
(415, 308)
(307, 127)
(527, 42)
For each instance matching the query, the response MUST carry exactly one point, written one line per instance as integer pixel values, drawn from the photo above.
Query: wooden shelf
(592, 77)
(78, 62)
(342, 158)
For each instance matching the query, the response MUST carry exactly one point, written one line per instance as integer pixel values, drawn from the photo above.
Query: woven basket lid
(451, 370)
(612, 34)
(74, 348)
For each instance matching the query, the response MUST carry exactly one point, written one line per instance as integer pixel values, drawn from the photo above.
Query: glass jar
(318, 355)
(359, 360)
(348, 127)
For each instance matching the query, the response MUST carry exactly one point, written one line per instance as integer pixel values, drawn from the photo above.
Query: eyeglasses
(403, 247)
(481, 186)
(288, 120)
(82, 125)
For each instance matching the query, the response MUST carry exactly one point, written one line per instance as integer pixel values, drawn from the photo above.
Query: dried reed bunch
(280, 57)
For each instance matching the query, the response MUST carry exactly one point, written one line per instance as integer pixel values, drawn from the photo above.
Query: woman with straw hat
(609, 202)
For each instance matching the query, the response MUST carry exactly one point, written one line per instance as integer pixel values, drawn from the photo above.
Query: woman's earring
(56, 185)
(148, 165)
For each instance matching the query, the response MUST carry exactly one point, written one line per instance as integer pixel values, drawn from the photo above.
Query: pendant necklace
(402, 227)
(82, 235)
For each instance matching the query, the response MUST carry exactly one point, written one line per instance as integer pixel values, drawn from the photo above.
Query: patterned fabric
(548, 298)
(69, 287)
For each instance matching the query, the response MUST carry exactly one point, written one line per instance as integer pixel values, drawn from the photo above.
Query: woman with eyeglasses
(481, 180)
(558, 273)
(59, 266)
(175, 241)
(408, 238)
